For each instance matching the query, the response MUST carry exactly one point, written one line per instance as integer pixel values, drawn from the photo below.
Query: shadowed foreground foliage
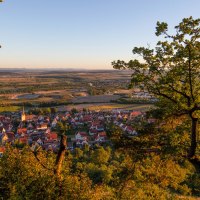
(101, 173)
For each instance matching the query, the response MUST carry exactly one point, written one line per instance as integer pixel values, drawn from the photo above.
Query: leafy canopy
(171, 71)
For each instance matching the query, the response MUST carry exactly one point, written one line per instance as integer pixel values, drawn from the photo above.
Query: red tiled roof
(23, 140)
(135, 113)
(95, 123)
(93, 131)
(53, 136)
(21, 130)
(30, 117)
(2, 149)
(87, 118)
(102, 134)
(2, 118)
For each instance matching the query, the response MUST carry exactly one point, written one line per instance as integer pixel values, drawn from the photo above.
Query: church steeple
(23, 116)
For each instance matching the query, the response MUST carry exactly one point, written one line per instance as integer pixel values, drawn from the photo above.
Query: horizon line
(57, 69)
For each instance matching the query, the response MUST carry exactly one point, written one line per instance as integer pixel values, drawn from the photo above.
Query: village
(82, 127)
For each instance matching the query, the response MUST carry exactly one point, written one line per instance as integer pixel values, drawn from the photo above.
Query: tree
(171, 72)
(54, 110)
(22, 177)
(101, 156)
(74, 111)
(61, 129)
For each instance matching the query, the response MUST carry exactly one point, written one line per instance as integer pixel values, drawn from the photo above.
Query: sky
(86, 34)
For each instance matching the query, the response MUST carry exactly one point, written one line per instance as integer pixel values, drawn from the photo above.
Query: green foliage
(100, 156)
(42, 111)
(53, 110)
(78, 153)
(61, 128)
(22, 176)
(171, 72)
(74, 110)
(9, 108)
(102, 174)
(84, 176)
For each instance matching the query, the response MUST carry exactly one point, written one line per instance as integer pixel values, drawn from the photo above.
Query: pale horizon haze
(86, 34)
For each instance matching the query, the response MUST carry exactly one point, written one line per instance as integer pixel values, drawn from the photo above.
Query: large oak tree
(171, 71)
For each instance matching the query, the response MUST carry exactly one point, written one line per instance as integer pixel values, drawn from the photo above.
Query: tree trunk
(59, 161)
(193, 138)
(61, 156)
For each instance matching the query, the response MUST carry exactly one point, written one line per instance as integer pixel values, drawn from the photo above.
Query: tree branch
(166, 96)
(190, 73)
(182, 93)
(35, 154)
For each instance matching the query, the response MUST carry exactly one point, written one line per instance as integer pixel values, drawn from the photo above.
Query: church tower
(23, 116)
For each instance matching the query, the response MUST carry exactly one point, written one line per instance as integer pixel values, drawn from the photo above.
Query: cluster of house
(139, 94)
(87, 127)
(5, 131)
(32, 129)
(128, 116)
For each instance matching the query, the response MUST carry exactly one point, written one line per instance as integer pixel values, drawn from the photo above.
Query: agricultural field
(61, 87)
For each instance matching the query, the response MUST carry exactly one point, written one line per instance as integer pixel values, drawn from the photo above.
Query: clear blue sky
(82, 33)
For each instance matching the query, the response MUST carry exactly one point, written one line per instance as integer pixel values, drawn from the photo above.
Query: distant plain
(89, 88)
